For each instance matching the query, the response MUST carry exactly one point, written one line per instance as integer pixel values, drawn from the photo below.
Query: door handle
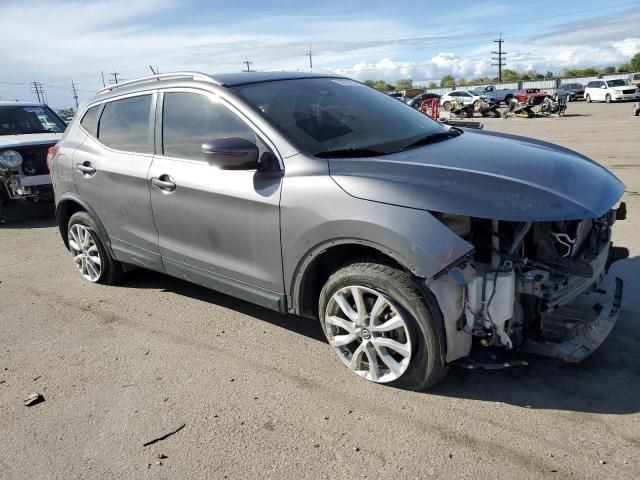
(164, 183)
(86, 168)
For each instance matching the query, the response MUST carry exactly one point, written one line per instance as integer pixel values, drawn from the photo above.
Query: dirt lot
(262, 395)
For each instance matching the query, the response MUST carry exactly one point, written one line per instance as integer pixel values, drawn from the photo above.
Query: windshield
(18, 120)
(617, 83)
(321, 115)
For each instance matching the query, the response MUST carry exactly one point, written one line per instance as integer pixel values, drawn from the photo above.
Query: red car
(530, 96)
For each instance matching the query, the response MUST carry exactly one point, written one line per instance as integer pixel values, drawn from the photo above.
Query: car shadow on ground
(157, 281)
(22, 214)
(608, 382)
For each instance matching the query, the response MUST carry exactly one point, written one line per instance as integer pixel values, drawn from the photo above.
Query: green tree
(626, 68)
(370, 83)
(609, 70)
(447, 81)
(635, 62)
(549, 74)
(462, 82)
(432, 85)
(509, 75)
(404, 84)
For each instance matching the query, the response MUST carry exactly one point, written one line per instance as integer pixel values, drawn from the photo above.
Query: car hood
(29, 139)
(485, 175)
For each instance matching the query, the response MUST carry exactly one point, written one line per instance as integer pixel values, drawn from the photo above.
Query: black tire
(111, 271)
(507, 99)
(607, 99)
(447, 106)
(423, 317)
(588, 98)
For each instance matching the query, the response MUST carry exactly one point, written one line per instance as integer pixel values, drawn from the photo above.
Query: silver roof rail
(158, 77)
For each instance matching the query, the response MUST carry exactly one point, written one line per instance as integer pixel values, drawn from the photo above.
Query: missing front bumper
(588, 321)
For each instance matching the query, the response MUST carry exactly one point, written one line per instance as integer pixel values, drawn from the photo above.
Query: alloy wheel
(368, 333)
(85, 252)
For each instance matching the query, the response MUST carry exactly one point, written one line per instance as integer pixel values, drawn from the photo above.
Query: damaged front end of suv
(539, 287)
(537, 219)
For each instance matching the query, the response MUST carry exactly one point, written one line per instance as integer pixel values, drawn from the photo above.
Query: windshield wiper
(349, 153)
(435, 137)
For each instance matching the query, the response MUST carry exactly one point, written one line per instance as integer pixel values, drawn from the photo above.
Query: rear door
(219, 228)
(110, 173)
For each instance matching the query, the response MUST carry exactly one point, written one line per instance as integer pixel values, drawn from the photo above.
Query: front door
(219, 228)
(110, 173)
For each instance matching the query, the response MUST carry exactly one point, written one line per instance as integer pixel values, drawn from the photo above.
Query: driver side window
(189, 120)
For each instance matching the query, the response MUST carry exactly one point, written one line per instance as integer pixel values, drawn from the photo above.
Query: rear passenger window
(90, 120)
(189, 120)
(124, 124)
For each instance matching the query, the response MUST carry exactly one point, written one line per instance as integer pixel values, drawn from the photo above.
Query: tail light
(51, 153)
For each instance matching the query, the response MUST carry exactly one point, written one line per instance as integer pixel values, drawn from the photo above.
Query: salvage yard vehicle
(27, 130)
(495, 94)
(611, 90)
(571, 91)
(410, 241)
(462, 97)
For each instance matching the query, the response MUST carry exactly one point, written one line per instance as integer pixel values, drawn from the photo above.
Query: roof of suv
(15, 103)
(243, 78)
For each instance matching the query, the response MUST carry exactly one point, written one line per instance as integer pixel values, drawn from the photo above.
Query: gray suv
(416, 245)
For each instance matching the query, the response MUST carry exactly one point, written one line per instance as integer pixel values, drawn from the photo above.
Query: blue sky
(362, 39)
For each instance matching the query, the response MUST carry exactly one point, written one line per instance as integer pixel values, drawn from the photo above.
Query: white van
(610, 90)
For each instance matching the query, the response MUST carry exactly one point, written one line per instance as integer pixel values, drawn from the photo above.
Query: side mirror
(603, 86)
(232, 153)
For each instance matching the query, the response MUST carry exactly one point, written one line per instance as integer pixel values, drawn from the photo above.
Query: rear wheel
(447, 106)
(90, 256)
(381, 326)
(507, 99)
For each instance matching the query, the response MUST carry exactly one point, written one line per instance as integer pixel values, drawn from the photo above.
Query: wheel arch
(71, 203)
(324, 259)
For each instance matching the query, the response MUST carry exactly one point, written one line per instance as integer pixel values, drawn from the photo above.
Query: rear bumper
(591, 317)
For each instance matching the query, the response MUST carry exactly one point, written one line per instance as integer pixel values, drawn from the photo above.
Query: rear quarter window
(124, 124)
(90, 120)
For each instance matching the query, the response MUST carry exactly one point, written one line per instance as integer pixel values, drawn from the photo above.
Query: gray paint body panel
(485, 175)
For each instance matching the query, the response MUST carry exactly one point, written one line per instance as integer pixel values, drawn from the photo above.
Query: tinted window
(90, 120)
(326, 114)
(189, 120)
(592, 84)
(22, 120)
(124, 124)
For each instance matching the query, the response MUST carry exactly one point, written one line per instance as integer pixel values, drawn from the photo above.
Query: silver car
(416, 245)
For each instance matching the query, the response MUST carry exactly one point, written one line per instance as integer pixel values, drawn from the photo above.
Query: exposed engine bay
(534, 286)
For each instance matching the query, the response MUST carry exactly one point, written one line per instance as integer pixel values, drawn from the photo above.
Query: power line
(500, 57)
(38, 89)
(248, 64)
(310, 55)
(75, 93)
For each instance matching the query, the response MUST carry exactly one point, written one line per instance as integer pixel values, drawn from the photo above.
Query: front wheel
(447, 106)
(90, 256)
(588, 98)
(381, 326)
(607, 98)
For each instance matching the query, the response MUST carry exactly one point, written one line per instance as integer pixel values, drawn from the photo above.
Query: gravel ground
(262, 395)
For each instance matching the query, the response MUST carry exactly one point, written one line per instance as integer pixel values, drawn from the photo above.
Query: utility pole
(152, 70)
(310, 55)
(248, 63)
(103, 82)
(75, 93)
(501, 59)
(38, 89)
(115, 76)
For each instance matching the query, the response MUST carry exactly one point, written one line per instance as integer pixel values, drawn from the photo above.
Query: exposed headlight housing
(10, 159)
